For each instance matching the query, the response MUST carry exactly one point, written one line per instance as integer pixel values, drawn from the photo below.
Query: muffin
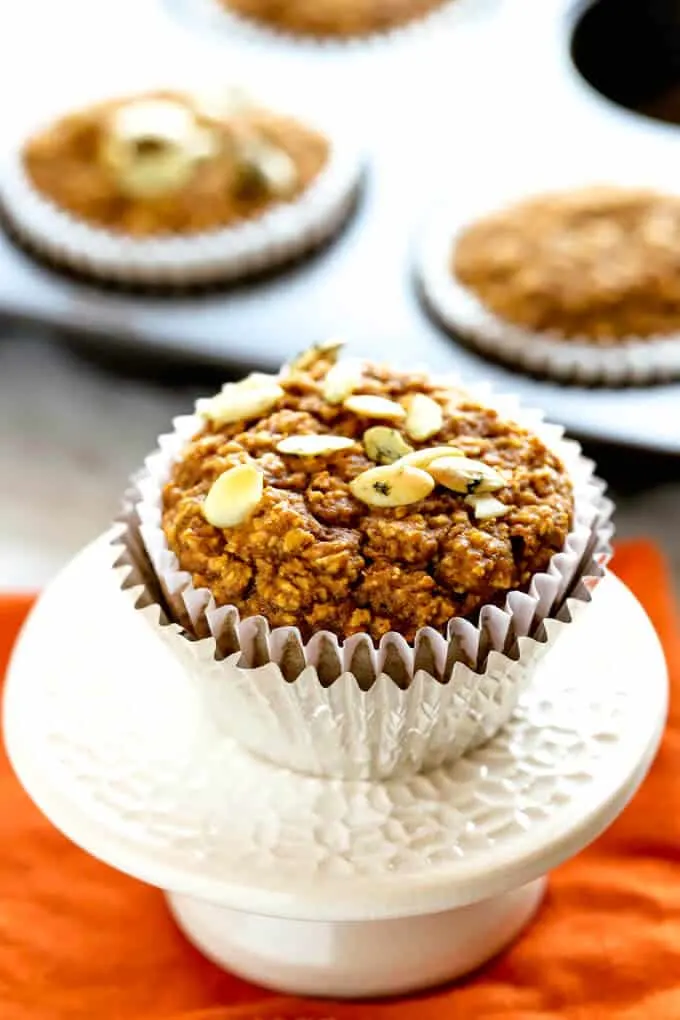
(342, 19)
(583, 282)
(171, 186)
(358, 562)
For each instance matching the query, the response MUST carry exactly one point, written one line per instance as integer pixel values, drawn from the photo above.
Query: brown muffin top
(313, 553)
(343, 18)
(164, 163)
(598, 263)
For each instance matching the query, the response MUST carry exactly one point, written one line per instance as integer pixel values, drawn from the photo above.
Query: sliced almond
(264, 167)
(369, 406)
(152, 147)
(391, 485)
(327, 349)
(233, 496)
(313, 445)
(460, 474)
(422, 458)
(425, 417)
(240, 402)
(385, 445)
(486, 507)
(342, 380)
(256, 381)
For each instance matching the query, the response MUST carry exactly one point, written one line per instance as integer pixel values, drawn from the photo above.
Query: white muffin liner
(213, 16)
(282, 233)
(633, 360)
(349, 709)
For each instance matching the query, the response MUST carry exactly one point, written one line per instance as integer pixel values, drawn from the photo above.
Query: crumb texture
(313, 556)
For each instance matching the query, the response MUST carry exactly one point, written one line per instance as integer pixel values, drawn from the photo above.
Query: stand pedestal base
(320, 886)
(356, 959)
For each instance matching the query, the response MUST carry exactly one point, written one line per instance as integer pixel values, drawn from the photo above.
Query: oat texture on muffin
(391, 503)
(340, 18)
(167, 163)
(598, 263)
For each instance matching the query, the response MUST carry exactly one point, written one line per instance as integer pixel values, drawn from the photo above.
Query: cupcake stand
(322, 886)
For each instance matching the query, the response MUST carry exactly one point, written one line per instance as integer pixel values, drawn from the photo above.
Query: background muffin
(339, 18)
(165, 163)
(171, 186)
(581, 284)
(601, 263)
(360, 568)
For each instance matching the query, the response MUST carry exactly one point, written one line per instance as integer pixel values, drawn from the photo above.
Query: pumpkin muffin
(173, 169)
(352, 498)
(581, 285)
(599, 264)
(356, 564)
(333, 18)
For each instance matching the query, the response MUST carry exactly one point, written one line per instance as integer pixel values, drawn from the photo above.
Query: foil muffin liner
(282, 233)
(629, 361)
(349, 709)
(212, 16)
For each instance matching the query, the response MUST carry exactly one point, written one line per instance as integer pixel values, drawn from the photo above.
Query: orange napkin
(79, 941)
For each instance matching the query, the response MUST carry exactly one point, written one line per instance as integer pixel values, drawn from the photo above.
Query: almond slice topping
(342, 380)
(421, 458)
(425, 417)
(327, 349)
(486, 507)
(240, 401)
(233, 496)
(313, 445)
(385, 445)
(460, 474)
(391, 485)
(368, 406)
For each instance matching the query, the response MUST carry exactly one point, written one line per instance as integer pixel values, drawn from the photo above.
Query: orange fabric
(79, 941)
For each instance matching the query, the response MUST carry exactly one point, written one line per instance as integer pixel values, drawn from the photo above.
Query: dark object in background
(629, 51)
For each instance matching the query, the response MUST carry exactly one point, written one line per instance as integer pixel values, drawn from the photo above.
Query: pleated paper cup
(282, 233)
(629, 361)
(347, 708)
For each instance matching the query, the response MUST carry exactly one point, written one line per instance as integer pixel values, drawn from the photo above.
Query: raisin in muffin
(164, 182)
(333, 18)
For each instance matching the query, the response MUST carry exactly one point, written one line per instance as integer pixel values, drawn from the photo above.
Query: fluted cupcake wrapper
(282, 233)
(630, 360)
(350, 709)
(213, 16)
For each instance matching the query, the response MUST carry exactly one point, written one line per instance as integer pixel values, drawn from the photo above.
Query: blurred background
(486, 93)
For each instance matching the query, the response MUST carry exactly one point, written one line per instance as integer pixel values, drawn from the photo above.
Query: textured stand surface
(307, 884)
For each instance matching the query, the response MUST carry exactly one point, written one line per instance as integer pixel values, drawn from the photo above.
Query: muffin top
(598, 264)
(342, 18)
(350, 497)
(168, 162)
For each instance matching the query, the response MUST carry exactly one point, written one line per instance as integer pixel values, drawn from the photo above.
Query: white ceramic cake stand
(317, 886)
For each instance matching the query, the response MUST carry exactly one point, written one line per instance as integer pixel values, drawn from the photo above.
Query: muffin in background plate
(361, 567)
(333, 18)
(583, 282)
(173, 183)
